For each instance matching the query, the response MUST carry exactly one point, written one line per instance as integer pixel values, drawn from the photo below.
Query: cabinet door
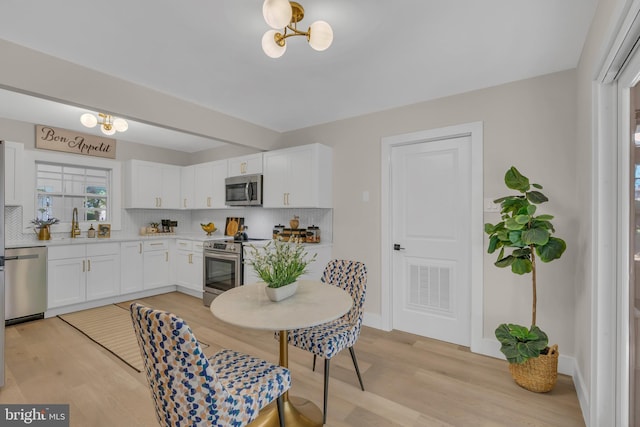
(203, 183)
(170, 189)
(197, 271)
(187, 184)
(182, 265)
(144, 180)
(245, 165)
(219, 174)
(156, 269)
(13, 168)
(103, 276)
(274, 187)
(66, 282)
(131, 261)
(301, 188)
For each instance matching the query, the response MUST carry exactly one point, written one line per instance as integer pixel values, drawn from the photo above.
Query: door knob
(397, 247)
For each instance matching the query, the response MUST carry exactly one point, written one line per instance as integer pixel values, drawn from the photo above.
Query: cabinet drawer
(184, 245)
(97, 249)
(198, 246)
(63, 252)
(156, 245)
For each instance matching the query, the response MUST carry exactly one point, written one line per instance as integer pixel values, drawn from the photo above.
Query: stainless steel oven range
(222, 268)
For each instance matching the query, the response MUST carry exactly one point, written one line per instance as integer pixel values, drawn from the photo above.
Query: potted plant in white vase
(528, 236)
(279, 264)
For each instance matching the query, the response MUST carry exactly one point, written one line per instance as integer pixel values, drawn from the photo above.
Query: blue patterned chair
(329, 339)
(229, 389)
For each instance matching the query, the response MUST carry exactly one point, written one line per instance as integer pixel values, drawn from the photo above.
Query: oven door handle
(222, 255)
(246, 191)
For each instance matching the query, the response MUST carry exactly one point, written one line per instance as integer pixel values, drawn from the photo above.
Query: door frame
(473, 130)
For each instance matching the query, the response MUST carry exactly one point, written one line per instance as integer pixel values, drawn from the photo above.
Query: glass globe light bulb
(107, 131)
(277, 13)
(120, 125)
(270, 47)
(88, 120)
(320, 35)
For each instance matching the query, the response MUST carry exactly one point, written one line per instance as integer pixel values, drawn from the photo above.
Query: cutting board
(233, 225)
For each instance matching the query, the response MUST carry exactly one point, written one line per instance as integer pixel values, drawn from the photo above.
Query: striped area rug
(110, 327)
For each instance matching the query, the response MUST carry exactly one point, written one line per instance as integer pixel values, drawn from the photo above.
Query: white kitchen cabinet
(298, 177)
(188, 264)
(245, 165)
(155, 264)
(209, 184)
(13, 169)
(79, 273)
(152, 185)
(187, 188)
(131, 264)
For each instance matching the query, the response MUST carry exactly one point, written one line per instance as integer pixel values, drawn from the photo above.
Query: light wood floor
(409, 380)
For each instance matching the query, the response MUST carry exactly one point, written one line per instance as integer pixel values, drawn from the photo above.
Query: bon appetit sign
(68, 141)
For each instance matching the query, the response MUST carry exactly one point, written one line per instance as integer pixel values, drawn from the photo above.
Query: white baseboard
(583, 394)
(373, 320)
(491, 347)
(106, 301)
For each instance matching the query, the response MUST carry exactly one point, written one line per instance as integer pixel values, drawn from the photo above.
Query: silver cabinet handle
(88, 265)
(166, 256)
(208, 202)
(140, 250)
(83, 266)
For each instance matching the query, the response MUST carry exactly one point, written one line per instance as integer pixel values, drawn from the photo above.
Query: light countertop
(198, 237)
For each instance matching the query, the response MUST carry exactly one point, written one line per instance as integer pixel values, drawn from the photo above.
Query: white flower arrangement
(280, 263)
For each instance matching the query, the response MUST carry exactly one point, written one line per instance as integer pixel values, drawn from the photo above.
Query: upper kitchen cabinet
(13, 168)
(152, 185)
(209, 184)
(298, 177)
(187, 186)
(245, 165)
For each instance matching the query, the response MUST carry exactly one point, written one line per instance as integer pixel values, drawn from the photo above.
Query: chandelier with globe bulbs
(283, 16)
(108, 124)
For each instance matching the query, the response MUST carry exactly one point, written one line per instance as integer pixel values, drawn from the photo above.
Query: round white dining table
(314, 303)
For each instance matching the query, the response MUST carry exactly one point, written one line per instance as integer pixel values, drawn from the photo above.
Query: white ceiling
(385, 53)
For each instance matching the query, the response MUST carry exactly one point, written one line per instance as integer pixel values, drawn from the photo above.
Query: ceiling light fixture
(108, 124)
(284, 15)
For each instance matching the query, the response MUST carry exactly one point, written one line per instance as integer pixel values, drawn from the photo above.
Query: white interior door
(431, 221)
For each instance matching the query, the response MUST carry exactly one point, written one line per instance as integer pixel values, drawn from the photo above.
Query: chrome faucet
(75, 227)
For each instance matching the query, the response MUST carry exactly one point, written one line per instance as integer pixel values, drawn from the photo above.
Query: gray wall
(529, 124)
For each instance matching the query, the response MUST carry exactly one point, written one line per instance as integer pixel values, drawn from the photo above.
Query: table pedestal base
(297, 412)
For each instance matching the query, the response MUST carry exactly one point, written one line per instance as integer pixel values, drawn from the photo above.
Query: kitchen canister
(313, 234)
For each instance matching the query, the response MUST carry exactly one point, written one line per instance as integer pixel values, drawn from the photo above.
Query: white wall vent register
(430, 289)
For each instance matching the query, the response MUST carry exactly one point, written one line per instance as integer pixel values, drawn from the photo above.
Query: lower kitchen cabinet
(155, 264)
(188, 264)
(79, 273)
(131, 263)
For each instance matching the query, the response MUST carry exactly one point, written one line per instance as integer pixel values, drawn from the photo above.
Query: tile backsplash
(259, 221)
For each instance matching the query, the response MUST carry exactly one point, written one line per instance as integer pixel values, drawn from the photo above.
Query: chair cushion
(255, 381)
(326, 340)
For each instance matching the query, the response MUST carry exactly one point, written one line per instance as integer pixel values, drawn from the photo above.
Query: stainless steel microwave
(245, 190)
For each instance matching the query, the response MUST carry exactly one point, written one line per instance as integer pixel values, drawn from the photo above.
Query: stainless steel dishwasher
(25, 272)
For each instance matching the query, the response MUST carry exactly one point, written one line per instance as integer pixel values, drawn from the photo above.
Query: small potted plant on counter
(526, 234)
(42, 225)
(279, 264)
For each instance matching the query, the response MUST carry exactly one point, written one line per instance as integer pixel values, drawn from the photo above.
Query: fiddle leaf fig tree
(519, 238)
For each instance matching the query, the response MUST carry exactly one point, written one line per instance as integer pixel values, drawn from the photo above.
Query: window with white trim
(61, 187)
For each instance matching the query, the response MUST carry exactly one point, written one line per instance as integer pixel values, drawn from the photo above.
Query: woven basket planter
(538, 374)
